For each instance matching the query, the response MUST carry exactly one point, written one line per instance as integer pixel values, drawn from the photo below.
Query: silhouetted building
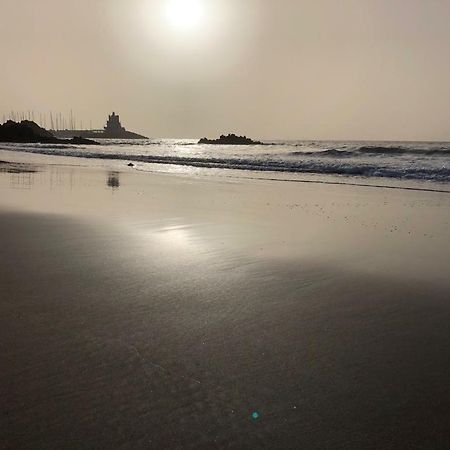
(112, 130)
(113, 125)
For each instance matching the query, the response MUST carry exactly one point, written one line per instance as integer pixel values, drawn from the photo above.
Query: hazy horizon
(305, 69)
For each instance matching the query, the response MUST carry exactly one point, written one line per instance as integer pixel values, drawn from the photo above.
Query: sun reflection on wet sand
(361, 229)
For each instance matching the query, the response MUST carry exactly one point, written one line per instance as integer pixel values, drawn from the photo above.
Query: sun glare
(184, 14)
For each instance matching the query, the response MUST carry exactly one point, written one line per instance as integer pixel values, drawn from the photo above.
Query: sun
(184, 14)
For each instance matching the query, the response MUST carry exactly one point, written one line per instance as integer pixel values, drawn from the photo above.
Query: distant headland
(230, 139)
(112, 130)
(28, 131)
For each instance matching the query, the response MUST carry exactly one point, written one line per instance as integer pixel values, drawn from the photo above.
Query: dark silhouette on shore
(112, 130)
(78, 140)
(28, 131)
(230, 139)
(25, 131)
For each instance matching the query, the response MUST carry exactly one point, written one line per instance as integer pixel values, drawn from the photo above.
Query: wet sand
(162, 311)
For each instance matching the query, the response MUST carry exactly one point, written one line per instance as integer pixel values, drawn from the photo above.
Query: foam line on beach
(368, 170)
(333, 183)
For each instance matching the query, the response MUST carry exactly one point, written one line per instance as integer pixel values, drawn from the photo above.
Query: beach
(165, 310)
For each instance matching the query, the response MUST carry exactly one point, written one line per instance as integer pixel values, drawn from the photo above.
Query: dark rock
(78, 140)
(30, 132)
(230, 139)
(26, 132)
(130, 165)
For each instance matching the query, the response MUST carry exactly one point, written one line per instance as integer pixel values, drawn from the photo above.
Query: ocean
(403, 163)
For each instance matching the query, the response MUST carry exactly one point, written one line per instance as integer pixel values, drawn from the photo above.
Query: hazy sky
(306, 69)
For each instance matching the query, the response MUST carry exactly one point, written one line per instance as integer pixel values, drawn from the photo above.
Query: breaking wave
(375, 150)
(366, 168)
(404, 151)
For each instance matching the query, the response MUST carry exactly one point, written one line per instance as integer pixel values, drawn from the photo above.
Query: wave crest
(376, 151)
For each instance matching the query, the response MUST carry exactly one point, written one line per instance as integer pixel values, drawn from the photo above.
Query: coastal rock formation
(28, 131)
(78, 140)
(230, 139)
(25, 131)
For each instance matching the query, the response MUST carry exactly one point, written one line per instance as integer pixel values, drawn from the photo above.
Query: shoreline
(277, 176)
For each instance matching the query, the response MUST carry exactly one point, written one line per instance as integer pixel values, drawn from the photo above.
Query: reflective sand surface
(163, 311)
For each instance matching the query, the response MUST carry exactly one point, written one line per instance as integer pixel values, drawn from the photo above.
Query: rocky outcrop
(28, 131)
(230, 139)
(25, 131)
(78, 140)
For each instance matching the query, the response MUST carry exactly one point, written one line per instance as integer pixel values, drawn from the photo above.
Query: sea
(402, 164)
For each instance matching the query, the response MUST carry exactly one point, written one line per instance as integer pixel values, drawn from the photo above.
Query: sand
(143, 310)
